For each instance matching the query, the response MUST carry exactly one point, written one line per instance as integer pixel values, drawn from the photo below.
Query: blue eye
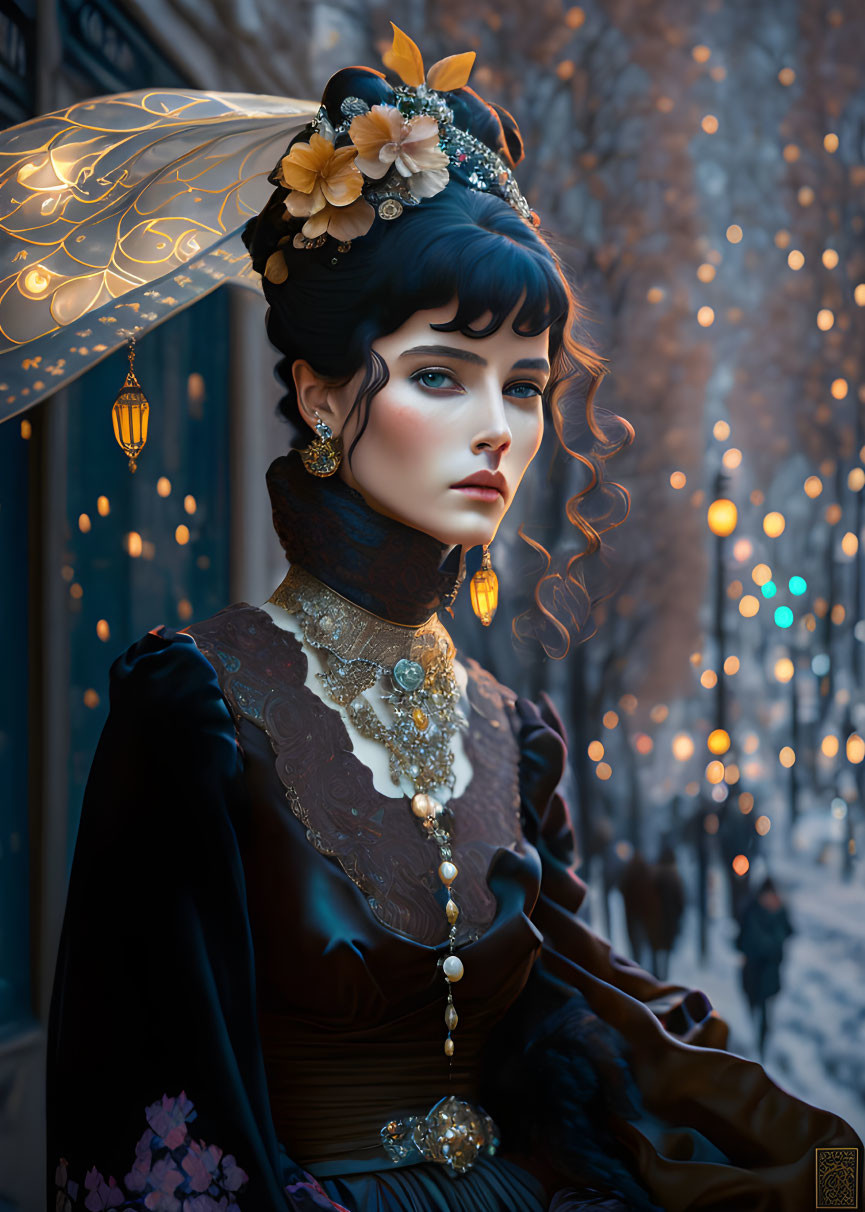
(443, 380)
(434, 379)
(523, 391)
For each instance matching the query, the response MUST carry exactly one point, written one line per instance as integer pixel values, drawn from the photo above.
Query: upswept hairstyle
(461, 244)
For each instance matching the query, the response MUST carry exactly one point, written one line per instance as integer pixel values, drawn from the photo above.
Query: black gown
(247, 986)
(220, 973)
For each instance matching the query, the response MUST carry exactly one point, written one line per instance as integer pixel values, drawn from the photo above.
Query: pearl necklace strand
(418, 661)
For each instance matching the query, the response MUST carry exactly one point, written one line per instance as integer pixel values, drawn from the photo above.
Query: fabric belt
(331, 1098)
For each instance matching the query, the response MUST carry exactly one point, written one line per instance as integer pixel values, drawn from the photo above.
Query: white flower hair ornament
(384, 157)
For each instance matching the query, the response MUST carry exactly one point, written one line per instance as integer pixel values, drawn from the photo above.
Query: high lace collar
(380, 564)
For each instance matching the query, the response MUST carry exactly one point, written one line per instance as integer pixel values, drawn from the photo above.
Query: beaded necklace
(423, 700)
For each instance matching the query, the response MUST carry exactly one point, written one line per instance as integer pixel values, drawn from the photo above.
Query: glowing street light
(722, 517)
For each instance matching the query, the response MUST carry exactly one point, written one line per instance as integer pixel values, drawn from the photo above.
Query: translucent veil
(116, 213)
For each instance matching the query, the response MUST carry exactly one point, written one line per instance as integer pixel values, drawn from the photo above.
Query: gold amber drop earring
(484, 589)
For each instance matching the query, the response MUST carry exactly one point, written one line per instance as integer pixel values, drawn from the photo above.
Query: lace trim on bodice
(375, 838)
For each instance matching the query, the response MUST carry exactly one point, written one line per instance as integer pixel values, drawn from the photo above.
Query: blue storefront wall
(15, 1005)
(150, 547)
(17, 75)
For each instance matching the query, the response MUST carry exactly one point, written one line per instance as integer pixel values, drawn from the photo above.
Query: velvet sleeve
(156, 1091)
(686, 1013)
(613, 1097)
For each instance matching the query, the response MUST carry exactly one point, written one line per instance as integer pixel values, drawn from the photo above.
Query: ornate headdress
(116, 213)
(369, 161)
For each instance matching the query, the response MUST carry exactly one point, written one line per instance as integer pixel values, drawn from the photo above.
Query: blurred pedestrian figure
(764, 928)
(604, 846)
(642, 907)
(664, 927)
(695, 833)
(736, 837)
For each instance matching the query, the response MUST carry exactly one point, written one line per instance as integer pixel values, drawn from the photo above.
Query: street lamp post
(794, 744)
(722, 520)
(722, 517)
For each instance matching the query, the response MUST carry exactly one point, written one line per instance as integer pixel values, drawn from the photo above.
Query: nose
(493, 432)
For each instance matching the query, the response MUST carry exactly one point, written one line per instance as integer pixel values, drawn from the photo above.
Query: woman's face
(451, 434)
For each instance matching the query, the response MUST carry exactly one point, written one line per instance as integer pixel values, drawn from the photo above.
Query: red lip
(484, 479)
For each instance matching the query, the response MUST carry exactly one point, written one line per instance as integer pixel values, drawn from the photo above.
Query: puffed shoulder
(153, 1012)
(163, 674)
(547, 821)
(540, 738)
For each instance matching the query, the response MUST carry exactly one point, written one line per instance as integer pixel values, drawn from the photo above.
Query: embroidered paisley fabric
(209, 948)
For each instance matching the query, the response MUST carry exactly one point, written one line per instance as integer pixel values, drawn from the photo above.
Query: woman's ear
(315, 396)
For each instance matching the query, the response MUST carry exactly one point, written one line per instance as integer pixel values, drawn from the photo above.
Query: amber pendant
(484, 589)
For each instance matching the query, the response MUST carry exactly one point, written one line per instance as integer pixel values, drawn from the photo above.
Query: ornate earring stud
(323, 455)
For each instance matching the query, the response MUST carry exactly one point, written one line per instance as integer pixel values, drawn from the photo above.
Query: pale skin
(454, 406)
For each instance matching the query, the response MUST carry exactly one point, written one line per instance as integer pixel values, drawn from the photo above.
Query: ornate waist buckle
(452, 1133)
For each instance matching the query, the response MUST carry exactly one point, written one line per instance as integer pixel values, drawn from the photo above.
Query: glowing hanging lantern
(484, 590)
(130, 414)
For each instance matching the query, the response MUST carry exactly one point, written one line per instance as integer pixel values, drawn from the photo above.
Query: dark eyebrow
(446, 351)
(533, 364)
(450, 351)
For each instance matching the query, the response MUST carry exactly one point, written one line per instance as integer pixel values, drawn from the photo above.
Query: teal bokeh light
(784, 616)
(769, 589)
(798, 585)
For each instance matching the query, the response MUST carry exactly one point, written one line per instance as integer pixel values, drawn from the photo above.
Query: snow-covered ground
(816, 1044)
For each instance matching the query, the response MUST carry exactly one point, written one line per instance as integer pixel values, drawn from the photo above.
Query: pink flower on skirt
(200, 1164)
(102, 1194)
(168, 1119)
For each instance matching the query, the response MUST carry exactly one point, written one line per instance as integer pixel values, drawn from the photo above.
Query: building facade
(94, 556)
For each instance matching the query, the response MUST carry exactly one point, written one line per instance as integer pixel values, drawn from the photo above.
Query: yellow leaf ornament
(404, 58)
(452, 72)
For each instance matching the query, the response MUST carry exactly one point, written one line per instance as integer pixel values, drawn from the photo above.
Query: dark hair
(461, 244)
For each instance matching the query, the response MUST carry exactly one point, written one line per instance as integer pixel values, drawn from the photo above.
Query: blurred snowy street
(816, 1043)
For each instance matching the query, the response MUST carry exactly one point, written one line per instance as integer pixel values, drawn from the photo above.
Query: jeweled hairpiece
(383, 158)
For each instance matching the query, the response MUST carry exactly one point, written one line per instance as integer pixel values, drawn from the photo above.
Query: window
(150, 547)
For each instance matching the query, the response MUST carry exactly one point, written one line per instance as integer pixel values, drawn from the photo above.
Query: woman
(321, 946)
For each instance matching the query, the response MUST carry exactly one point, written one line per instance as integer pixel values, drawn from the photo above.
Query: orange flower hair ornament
(382, 158)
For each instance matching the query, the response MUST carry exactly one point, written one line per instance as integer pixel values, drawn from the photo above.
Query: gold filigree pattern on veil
(117, 212)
